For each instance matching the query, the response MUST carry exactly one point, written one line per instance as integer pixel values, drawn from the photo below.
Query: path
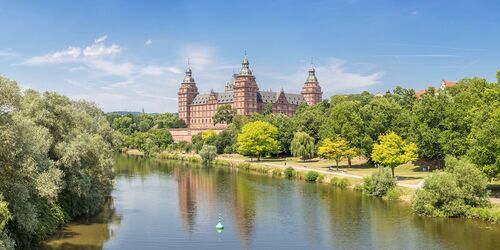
(302, 168)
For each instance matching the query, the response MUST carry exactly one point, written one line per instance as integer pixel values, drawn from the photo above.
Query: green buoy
(219, 226)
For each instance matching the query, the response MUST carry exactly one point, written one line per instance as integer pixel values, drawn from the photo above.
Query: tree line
(462, 121)
(55, 163)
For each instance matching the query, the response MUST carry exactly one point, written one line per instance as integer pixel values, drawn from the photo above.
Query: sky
(129, 55)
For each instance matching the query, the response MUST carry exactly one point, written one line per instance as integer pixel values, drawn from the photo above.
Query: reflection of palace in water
(196, 188)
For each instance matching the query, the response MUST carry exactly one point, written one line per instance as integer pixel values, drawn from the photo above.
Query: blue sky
(125, 55)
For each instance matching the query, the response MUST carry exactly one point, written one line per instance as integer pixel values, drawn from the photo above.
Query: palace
(244, 96)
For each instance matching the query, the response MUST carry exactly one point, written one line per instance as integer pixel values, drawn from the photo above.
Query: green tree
(453, 192)
(392, 151)
(344, 120)
(334, 150)
(258, 139)
(379, 183)
(302, 146)
(224, 114)
(208, 153)
(498, 76)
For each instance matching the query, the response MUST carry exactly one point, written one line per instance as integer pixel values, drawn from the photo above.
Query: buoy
(219, 225)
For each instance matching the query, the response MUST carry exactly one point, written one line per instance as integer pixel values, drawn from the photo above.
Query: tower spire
(245, 67)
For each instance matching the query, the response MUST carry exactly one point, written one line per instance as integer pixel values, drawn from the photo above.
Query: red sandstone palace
(243, 94)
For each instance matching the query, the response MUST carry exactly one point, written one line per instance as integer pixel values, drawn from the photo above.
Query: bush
(311, 176)
(340, 182)
(290, 172)
(379, 183)
(208, 154)
(454, 192)
(393, 194)
(276, 172)
(321, 178)
(486, 214)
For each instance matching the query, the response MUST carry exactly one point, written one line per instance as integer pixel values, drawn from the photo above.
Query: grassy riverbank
(277, 168)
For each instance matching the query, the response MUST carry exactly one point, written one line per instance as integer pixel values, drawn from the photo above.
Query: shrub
(208, 154)
(340, 182)
(290, 172)
(321, 178)
(486, 214)
(393, 194)
(379, 183)
(276, 172)
(454, 192)
(311, 176)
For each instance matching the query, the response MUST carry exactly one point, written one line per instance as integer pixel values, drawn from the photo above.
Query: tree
(392, 151)
(335, 150)
(224, 114)
(208, 153)
(453, 192)
(257, 139)
(302, 146)
(498, 76)
(268, 109)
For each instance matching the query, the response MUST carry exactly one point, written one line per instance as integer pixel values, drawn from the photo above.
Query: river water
(173, 205)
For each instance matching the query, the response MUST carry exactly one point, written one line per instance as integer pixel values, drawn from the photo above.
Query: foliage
(130, 124)
(392, 151)
(335, 150)
(208, 153)
(289, 172)
(224, 114)
(56, 162)
(276, 172)
(311, 176)
(379, 183)
(257, 139)
(340, 182)
(302, 146)
(452, 193)
(393, 194)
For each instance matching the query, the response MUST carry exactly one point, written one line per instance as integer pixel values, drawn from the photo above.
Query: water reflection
(87, 233)
(175, 205)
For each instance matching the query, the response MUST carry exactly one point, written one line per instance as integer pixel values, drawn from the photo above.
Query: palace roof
(262, 97)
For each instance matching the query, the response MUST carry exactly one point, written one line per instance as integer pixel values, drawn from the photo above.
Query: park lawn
(407, 173)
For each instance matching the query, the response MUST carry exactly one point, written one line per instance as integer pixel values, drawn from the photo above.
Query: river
(173, 205)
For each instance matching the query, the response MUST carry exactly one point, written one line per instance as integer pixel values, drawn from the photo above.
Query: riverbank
(341, 179)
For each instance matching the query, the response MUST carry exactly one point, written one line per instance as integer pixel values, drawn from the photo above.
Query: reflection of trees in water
(456, 233)
(87, 233)
(244, 208)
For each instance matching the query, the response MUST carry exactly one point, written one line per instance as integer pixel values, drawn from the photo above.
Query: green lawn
(408, 173)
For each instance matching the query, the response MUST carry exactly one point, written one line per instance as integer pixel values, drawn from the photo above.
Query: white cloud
(332, 76)
(69, 54)
(100, 50)
(148, 42)
(199, 56)
(153, 70)
(101, 39)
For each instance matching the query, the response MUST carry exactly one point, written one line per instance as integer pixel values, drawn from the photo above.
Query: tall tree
(302, 146)
(224, 114)
(258, 139)
(334, 150)
(392, 151)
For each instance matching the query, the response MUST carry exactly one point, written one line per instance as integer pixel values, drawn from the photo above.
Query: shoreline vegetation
(339, 179)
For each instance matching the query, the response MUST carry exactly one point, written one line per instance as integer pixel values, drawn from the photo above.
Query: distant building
(444, 84)
(244, 96)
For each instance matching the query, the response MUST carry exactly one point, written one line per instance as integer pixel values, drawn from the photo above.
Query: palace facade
(244, 96)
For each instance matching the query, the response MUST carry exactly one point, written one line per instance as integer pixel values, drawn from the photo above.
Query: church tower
(187, 92)
(311, 91)
(245, 90)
